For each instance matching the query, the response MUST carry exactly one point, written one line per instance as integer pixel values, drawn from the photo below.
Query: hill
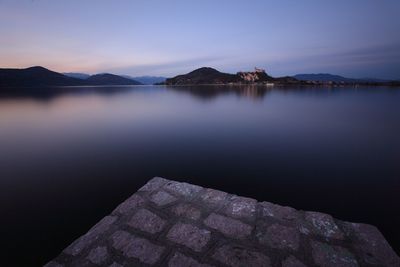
(110, 79)
(77, 75)
(326, 77)
(35, 76)
(39, 76)
(208, 75)
(149, 79)
(203, 75)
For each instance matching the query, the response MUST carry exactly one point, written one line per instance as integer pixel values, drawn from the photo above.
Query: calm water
(68, 159)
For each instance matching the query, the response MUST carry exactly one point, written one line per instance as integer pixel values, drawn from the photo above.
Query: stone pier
(168, 223)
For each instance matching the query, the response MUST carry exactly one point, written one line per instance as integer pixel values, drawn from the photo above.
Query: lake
(69, 156)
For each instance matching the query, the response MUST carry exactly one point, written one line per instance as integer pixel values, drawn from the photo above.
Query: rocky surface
(168, 223)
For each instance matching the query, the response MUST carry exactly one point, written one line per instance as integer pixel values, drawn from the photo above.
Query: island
(211, 76)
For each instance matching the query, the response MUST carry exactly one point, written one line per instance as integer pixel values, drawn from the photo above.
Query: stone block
(230, 227)
(180, 260)
(279, 236)
(237, 256)
(98, 255)
(184, 189)
(187, 211)
(130, 204)
(241, 207)
(154, 184)
(147, 221)
(372, 245)
(324, 225)
(332, 256)
(189, 236)
(162, 198)
(278, 212)
(291, 261)
(213, 198)
(136, 247)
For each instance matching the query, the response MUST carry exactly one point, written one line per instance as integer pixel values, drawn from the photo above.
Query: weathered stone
(162, 198)
(187, 211)
(189, 236)
(184, 189)
(136, 247)
(230, 227)
(84, 241)
(291, 261)
(279, 236)
(226, 236)
(324, 225)
(278, 212)
(332, 256)
(213, 197)
(180, 260)
(53, 264)
(232, 255)
(98, 255)
(130, 204)
(154, 184)
(241, 207)
(303, 228)
(147, 221)
(370, 243)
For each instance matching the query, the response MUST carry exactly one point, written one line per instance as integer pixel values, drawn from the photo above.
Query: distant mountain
(326, 77)
(77, 75)
(208, 75)
(203, 75)
(110, 79)
(148, 79)
(39, 76)
(35, 76)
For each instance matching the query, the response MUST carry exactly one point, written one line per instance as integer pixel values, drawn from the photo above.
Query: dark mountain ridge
(207, 75)
(110, 79)
(78, 75)
(147, 79)
(40, 76)
(35, 76)
(326, 77)
(203, 75)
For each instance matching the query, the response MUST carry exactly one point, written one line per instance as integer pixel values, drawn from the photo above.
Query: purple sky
(357, 38)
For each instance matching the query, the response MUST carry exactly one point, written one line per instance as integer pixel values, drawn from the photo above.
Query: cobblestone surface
(189, 236)
(279, 236)
(168, 223)
(230, 227)
(146, 221)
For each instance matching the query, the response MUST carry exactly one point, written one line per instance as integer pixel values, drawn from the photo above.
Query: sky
(357, 38)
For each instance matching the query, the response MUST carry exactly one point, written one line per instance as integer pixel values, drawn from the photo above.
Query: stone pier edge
(169, 223)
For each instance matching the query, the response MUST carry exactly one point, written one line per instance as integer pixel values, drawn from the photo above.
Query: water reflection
(49, 93)
(206, 92)
(209, 92)
(259, 92)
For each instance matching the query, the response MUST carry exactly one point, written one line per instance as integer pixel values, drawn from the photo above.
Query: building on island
(252, 76)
